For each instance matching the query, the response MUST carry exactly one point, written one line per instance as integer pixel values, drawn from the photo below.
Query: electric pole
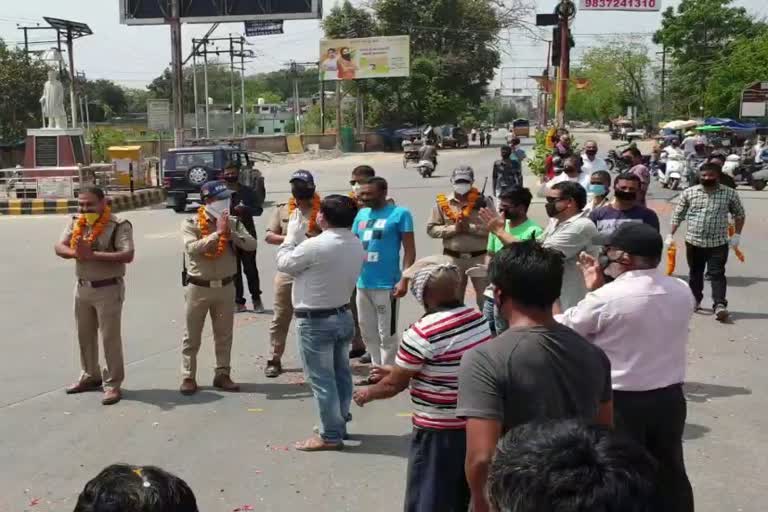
(663, 99)
(177, 75)
(565, 11)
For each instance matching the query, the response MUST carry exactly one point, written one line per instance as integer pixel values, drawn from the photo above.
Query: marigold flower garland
(202, 224)
(98, 229)
(472, 198)
(313, 215)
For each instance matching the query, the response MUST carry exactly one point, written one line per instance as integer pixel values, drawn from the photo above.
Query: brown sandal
(317, 444)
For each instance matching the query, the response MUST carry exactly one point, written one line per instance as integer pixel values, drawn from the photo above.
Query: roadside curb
(119, 203)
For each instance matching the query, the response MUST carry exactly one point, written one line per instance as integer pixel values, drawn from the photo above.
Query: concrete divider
(120, 201)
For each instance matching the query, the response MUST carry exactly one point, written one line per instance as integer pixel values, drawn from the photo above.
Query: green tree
(101, 139)
(21, 85)
(699, 34)
(747, 62)
(136, 100)
(346, 21)
(105, 98)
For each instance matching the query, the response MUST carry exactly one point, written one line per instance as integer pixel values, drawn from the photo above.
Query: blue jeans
(496, 322)
(324, 348)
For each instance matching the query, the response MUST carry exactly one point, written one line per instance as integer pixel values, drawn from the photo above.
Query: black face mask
(231, 179)
(708, 183)
(591, 152)
(552, 210)
(302, 193)
(625, 196)
(511, 215)
(628, 161)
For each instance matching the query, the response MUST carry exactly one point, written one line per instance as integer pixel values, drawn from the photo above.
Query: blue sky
(133, 56)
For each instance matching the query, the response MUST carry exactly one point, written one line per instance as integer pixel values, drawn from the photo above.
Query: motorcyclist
(429, 152)
(694, 160)
(674, 148)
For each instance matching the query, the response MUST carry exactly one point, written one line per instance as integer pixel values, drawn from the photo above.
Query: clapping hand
(222, 224)
(83, 251)
(492, 220)
(590, 269)
(296, 231)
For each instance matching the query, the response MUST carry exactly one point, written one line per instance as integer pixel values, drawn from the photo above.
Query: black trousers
(436, 481)
(246, 262)
(713, 260)
(656, 419)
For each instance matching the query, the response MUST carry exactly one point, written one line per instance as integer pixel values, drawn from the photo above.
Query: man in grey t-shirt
(535, 370)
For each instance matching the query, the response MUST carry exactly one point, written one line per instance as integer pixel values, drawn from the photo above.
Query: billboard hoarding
(368, 57)
(620, 5)
(754, 100)
(159, 115)
(154, 12)
(263, 28)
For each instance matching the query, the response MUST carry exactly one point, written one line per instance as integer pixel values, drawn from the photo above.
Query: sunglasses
(555, 199)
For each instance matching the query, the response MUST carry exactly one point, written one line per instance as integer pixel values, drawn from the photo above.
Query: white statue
(52, 102)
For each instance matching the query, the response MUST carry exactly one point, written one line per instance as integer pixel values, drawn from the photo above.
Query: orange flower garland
(445, 206)
(313, 215)
(98, 229)
(202, 224)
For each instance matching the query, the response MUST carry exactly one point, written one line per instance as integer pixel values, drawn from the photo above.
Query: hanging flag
(581, 83)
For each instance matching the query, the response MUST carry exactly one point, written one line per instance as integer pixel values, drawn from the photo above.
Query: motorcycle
(672, 175)
(754, 175)
(615, 163)
(425, 168)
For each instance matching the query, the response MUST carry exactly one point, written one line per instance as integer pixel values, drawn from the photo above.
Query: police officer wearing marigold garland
(101, 244)
(210, 239)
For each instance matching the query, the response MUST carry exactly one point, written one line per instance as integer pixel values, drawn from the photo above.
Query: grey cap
(463, 173)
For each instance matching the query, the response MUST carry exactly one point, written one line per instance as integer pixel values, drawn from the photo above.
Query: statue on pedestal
(52, 102)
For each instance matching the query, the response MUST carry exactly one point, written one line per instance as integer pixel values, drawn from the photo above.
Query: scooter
(754, 175)
(425, 168)
(672, 174)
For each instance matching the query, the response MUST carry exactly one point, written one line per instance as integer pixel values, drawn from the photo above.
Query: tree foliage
(21, 85)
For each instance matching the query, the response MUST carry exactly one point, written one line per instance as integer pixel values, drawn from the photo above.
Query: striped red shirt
(433, 347)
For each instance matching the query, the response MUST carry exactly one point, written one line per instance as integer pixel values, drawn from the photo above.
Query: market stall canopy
(731, 123)
(681, 124)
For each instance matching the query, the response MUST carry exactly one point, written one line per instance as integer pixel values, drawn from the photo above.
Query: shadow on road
(742, 281)
(746, 315)
(168, 399)
(694, 431)
(278, 391)
(379, 444)
(701, 392)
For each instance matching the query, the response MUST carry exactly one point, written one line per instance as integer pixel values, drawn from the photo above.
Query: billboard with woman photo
(369, 57)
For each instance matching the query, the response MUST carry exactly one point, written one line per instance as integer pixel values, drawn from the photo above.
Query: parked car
(186, 169)
(449, 136)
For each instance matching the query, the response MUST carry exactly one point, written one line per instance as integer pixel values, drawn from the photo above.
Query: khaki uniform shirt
(474, 239)
(278, 221)
(116, 237)
(195, 247)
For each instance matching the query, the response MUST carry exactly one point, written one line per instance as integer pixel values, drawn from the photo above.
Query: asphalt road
(233, 449)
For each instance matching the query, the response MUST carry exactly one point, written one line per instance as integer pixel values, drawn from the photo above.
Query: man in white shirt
(689, 143)
(325, 269)
(640, 320)
(590, 162)
(572, 171)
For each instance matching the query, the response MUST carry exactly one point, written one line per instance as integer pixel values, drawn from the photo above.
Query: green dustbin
(347, 139)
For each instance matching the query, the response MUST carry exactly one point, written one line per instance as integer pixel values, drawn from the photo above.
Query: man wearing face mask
(243, 205)
(634, 159)
(597, 193)
(705, 207)
(507, 172)
(324, 269)
(624, 207)
(590, 161)
(210, 240)
(513, 225)
(456, 221)
(570, 232)
(101, 245)
(305, 201)
(571, 172)
(641, 320)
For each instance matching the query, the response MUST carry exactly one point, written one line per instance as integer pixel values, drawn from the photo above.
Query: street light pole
(178, 75)
(565, 10)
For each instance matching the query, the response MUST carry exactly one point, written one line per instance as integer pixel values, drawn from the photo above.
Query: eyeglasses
(555, 199)
(352, 183)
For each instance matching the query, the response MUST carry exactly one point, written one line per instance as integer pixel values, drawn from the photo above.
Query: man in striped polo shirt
(428, 359)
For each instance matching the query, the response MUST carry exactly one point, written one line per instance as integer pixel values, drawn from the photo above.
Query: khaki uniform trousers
(478, 283)
(220, 303)
(100, 310)
(283, 313)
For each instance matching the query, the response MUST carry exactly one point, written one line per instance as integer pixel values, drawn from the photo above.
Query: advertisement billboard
(619, 5)
(369, 57)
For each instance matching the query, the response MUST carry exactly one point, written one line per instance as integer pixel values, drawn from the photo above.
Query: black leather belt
(463, 255)
(320, 313)
(210, 284)
(100, 283)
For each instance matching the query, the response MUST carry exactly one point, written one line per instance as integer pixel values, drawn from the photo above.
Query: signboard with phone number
(620, 5)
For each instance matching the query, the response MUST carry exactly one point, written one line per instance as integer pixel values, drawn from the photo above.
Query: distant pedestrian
(514, 145)
(590, 162)
(648, 358)
(324, 269)
(383, 229)
(706, 207)
(624, 207)
(571, 172)
(488, 138)
(482, 138)
(634, 160)
(428, 360)
(243, 205)
(536, 370)
(507, 172)
(101, 245)
(598, 191)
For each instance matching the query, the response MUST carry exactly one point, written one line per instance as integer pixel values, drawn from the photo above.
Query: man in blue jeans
(325, 269)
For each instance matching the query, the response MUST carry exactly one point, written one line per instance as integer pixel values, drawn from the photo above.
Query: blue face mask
(597, 189)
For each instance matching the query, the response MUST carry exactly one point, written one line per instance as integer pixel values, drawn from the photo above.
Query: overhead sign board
(263, 28)
(159, 115)
(754, 100)
(369, 57)
(156, 12)
(620, 5)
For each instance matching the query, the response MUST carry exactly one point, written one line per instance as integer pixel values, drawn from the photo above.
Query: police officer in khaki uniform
(306, 200)
(209, 272)
(456, 220)
(101, 244)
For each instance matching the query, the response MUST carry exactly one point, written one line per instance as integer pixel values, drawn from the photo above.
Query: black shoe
(356, 352)
(273, 369)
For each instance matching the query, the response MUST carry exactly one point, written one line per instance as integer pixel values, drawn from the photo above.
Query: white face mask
(356, 189)
(462, 188)
(217, 208)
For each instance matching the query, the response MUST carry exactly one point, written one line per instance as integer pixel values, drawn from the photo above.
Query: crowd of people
(553, 374)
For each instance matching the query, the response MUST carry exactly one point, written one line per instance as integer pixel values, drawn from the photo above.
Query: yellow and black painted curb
(121, 202)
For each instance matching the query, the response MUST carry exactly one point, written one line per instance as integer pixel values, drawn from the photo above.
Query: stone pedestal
(51, 147)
